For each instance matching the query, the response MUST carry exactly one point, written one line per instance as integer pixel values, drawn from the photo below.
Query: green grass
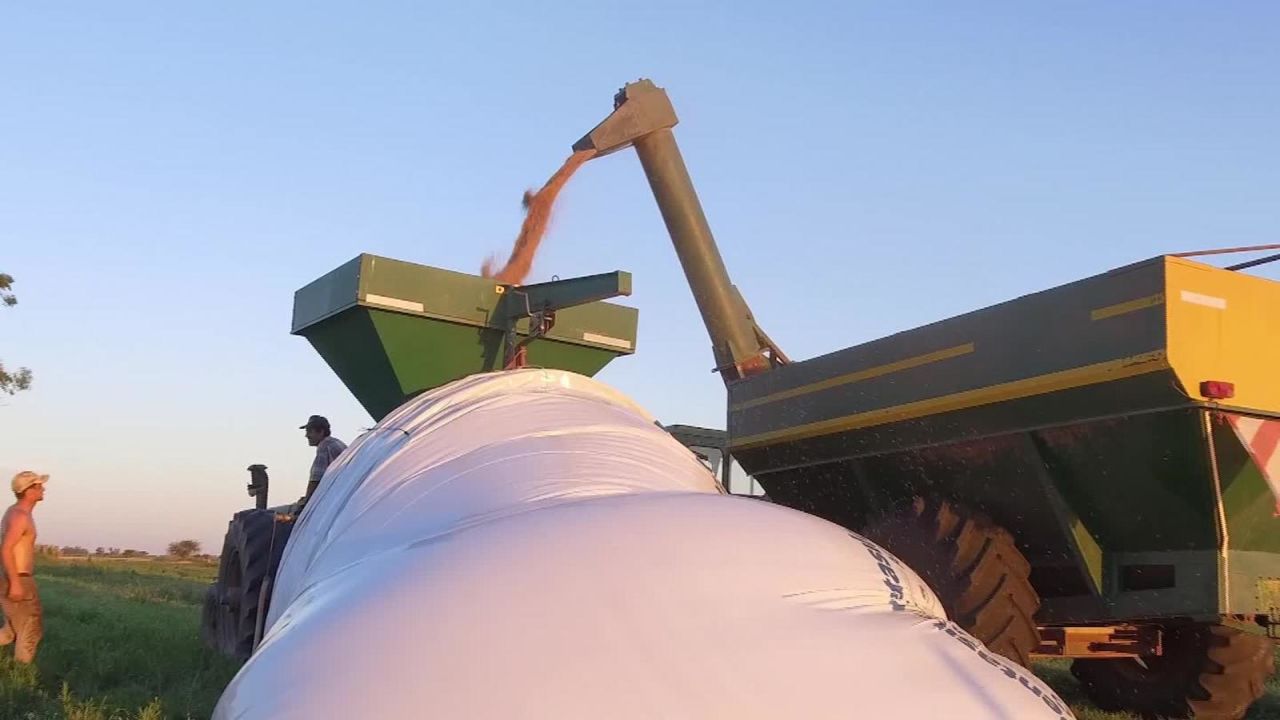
(122, 643)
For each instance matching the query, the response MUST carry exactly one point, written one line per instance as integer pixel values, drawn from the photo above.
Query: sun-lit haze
(171, 172)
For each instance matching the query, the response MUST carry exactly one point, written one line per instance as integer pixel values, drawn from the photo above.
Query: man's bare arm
(19, 523)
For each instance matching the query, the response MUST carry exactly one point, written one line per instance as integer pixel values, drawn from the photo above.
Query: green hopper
(391, 329)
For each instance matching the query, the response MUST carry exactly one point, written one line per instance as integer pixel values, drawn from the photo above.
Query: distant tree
(51, 551)
(11, 381)
(100, 551)
(184, 548)
(75, 551)
(113, 551)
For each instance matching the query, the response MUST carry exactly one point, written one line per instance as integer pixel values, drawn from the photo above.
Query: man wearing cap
(328, 448)
(23, 614)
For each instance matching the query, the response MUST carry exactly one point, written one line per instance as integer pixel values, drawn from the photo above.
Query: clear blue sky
(171, 172)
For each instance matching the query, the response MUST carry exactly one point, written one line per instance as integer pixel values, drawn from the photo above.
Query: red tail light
(1217, 389)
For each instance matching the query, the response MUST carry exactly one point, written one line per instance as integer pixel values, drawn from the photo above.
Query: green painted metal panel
(1086, 554)
(425, 353)
(1247, 499)
(1089, 503)
(349, 343)
(1019, 341)
(327, 295)
(1140, 482)
(1195, 596)
(585, 361)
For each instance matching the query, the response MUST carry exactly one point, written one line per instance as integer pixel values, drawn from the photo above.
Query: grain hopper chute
(391, 329)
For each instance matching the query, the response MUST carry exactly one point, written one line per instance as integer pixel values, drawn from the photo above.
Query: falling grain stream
(537, 214)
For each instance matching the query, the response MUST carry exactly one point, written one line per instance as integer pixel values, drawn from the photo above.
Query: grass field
(122, 643)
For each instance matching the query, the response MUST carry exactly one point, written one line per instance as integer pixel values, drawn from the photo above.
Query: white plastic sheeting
(531, 545)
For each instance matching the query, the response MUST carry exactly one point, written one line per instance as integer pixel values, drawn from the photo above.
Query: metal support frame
(1254, 263)
(539, 302)
(1115, 641)
(642, 118)
(1228, 251)
(716, 441)
(1239, 266)
(1220, 514)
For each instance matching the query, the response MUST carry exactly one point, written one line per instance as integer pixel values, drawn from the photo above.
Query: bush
(184, 549)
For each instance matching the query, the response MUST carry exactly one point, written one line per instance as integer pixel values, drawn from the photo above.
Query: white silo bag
(531, 544)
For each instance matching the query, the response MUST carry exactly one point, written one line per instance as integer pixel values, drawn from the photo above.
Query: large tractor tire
(1210, 672)
(215, 614)
(973, 566)
(250, 555)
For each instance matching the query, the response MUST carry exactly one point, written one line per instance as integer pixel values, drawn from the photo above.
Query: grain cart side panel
(1037, 360)
(1074, 417)
(1225, 326)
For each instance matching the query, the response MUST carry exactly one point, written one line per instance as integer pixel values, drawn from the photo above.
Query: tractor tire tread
(973, 566)
(1209, 672)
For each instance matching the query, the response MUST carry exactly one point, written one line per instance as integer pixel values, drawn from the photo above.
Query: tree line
(178, 549)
